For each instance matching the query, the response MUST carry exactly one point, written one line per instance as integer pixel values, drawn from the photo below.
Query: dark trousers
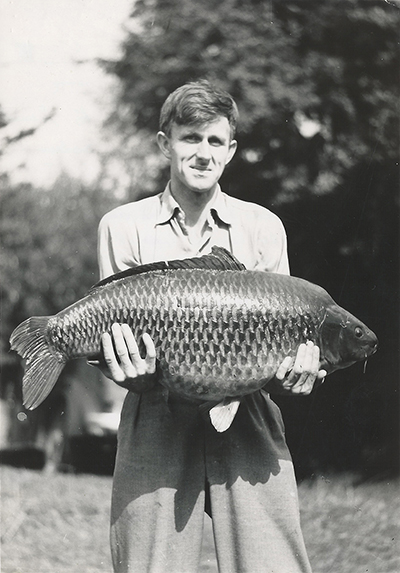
(171, 461)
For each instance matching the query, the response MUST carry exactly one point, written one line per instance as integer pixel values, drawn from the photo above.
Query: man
(171, 463)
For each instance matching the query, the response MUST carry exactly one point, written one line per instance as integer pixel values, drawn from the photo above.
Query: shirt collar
(220, 209)
(169, 207)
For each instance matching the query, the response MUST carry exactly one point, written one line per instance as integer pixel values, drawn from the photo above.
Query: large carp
(220, 331)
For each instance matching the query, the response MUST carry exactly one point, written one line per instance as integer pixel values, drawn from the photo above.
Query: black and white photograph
(199, 286)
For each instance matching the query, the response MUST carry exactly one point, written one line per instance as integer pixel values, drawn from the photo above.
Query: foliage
(48, 249)
(316, 83)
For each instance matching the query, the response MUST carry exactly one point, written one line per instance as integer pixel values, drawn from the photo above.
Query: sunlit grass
(351, 528)
(59, 524)
(54, 524)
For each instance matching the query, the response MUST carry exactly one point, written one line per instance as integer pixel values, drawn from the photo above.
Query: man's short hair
(197, 103)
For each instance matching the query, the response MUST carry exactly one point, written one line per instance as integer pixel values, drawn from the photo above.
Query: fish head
(344, 340)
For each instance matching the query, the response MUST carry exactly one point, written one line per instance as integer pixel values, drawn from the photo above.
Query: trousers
(172, 465)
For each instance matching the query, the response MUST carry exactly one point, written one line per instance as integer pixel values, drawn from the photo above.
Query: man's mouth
(200, 168)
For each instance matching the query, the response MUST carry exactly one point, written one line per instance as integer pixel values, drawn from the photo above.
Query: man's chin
(200, 189)
(199, 184)
(202, 183)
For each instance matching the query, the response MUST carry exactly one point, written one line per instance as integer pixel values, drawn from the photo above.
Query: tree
(47, 261)
(331, 66)
(48, 255)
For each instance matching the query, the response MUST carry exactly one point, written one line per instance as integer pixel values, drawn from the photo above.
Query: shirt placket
(209, 227)
(178, 221)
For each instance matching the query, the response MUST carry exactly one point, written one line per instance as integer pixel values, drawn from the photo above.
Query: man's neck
(194, 205)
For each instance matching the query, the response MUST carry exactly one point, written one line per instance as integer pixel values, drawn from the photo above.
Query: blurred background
(317, 85)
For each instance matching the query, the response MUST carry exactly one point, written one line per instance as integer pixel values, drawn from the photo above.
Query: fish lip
(374, 348)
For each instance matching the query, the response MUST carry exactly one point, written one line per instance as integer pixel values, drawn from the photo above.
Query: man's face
(198, 154)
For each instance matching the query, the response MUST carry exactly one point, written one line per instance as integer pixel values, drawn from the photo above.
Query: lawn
(349, 528)
(59, 524)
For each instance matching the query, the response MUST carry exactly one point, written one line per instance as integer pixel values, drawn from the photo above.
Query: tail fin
(43, 367)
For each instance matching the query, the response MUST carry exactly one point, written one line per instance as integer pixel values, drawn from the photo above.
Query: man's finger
(110, 358)
(300, 360)
(297, 376)
(131, 343)
(315, 360)
(305, 368)
(311, 358)
(284, 368)
(150, 358)
(122, 350)
(304, 388)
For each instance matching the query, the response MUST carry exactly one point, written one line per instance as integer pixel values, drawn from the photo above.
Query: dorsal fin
(219, 259)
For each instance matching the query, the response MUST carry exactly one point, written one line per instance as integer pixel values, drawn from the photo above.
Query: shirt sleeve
(272, 245)
(116, 245)
(104, 251)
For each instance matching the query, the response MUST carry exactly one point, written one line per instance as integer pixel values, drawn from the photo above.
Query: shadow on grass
(28, 458)
(83, 454)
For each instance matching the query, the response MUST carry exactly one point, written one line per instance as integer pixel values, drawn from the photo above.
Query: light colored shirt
(153, 229)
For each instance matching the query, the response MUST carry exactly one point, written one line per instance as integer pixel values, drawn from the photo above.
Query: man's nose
(203, 150)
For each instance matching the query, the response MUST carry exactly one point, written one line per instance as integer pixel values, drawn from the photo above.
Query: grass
(59, 524)
(349, 528)
(54, 524)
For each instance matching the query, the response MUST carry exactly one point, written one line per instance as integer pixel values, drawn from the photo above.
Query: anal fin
(223, 414)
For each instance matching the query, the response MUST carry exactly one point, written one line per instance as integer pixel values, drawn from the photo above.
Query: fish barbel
(220, 331)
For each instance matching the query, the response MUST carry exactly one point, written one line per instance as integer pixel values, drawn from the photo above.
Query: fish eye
(358, 331)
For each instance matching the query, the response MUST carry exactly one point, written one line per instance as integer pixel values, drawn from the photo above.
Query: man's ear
(163, 144)
(232, 150)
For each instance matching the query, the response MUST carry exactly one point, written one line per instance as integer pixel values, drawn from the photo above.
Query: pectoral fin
(222, 414)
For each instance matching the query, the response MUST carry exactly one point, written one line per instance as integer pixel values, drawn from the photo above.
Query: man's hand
(298, 376)
(124, 365)
(122, 361)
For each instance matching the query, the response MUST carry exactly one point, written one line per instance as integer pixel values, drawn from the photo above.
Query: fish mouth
(374, 349)
(368, 351)
(370, 348)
